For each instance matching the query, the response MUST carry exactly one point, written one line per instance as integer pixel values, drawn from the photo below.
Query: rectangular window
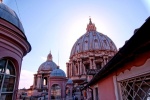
(8, 84)
(98, 65)
(6, 96)
(137, 88)
(96, 93)
(1, 79)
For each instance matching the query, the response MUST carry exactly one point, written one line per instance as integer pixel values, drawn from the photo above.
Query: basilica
(96, 70)
(96, 67)
(89, 54)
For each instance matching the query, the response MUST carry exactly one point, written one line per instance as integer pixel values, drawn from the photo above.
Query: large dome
(92, 41)
(49, 65)
(9, 15)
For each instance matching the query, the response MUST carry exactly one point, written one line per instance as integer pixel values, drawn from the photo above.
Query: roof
(58, 72)
(92, 41)
(9, 15)
(137, 44)
(47, 66)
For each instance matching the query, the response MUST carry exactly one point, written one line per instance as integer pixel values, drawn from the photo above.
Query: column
(104, 60)
(48, 81)
(94, 65)
(71, 69)
(34, 85)
(78, 64)
(39, 82)
(67, 69)
(81, 69)
(90, 63)
(107, 59)
(84, 72)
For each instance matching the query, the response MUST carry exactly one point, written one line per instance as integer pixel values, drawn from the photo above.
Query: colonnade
(39, 80)
(77, 67)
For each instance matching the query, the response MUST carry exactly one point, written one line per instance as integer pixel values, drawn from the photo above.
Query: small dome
(92, 41)
(9, 15)
(69, 81)
(47, 66)
(58, 72)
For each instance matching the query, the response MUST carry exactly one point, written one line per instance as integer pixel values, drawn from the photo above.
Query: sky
(55, 25)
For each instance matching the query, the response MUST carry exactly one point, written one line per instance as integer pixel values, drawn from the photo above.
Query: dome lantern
(90, 26)
(49, 57)
(49, 65)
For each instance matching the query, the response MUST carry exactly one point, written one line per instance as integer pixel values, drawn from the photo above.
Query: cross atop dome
(90, 26)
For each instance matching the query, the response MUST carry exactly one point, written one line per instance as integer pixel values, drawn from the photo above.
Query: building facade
(50, 83)
(127, 75)
(13, 47)
(89, 54)
(41, 78)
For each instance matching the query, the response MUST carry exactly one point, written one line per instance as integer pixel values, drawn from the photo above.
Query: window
(55, 92)
(86, 45)
(7, 79)
(98, 65)
(76, 70)
(96, 43)
(96, 93)
(137, 88)
(87, 66)
(45, 81)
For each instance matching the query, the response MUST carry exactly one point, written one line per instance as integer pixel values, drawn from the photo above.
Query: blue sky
(56, 24)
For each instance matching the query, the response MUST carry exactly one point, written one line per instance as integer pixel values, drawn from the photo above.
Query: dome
(9, 15)
(58, 72)
(69, 81)
(92, 41)
(49, 65)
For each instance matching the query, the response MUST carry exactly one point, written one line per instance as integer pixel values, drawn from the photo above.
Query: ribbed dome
(48, 65)
(92, 41)
(9, 15)
(58, 72)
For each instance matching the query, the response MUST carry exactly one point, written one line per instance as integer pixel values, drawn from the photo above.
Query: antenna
(58, 57)
(17, 8)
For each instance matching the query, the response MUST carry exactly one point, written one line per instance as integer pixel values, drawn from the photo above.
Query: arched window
(76, 70)
(7, 79)
(67, 91)
(45, 81)
(55, 92)
(96, 43)
(86, 45)
(98, 65)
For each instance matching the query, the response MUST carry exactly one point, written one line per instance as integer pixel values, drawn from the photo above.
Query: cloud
(43, 58)
(26, 79)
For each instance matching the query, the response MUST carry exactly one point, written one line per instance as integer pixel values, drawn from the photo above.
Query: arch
(45, 81)
(55, 92)
(76, 69)
(67, 90)
(7, 78)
